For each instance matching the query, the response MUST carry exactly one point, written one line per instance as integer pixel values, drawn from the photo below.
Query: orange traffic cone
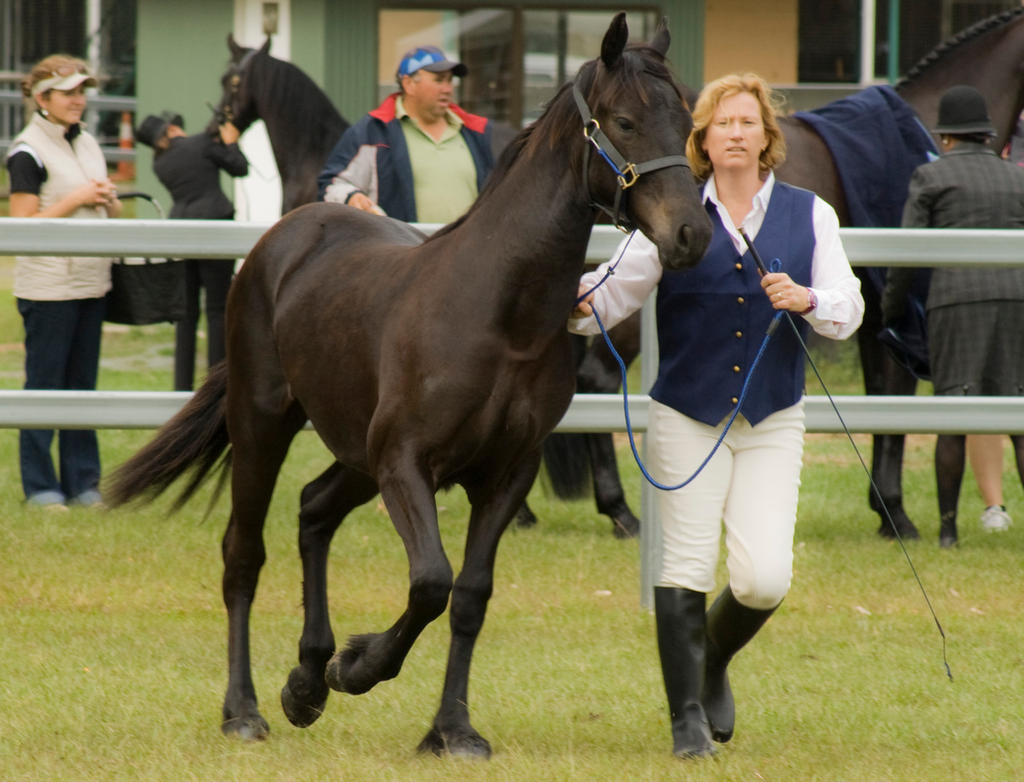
(125, 141)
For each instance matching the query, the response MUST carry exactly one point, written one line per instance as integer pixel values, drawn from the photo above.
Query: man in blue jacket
(417, 157)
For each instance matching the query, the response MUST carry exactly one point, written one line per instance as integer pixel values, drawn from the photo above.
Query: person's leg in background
(950, 451)
(215, 277)
(79, 448)
(185, 331)
(985, 455)
(49, 327)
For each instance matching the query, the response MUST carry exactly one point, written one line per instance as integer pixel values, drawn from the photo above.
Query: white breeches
(752, 484)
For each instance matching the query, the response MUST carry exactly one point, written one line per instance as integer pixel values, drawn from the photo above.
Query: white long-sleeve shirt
(840, 306)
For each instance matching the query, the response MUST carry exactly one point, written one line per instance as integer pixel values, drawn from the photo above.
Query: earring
(44, 112)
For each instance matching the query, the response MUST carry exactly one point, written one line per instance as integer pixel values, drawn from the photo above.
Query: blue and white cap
(428, 58)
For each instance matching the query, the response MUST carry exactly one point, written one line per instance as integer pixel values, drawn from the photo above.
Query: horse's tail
(194, 440)
(567, 463)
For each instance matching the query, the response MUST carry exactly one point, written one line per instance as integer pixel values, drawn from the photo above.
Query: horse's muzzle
(687, 246)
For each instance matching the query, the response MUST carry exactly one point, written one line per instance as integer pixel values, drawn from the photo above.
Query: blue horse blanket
(877, 141)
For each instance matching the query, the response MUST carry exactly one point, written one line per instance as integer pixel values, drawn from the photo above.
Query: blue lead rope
(775, 266)
(625, 403)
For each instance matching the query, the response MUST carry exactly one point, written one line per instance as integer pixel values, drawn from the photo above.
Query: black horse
(987, 55)
(301, 121)
(419, 372)
(294, 109)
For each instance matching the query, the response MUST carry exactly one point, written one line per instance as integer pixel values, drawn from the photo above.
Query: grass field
(112, 636)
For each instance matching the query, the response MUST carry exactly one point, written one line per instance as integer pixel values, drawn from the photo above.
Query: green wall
(350, 57)
(308, 40)
(182, 52)
(336, 42)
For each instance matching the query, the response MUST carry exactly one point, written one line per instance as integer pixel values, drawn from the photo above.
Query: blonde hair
(708, 101)
(48, 66)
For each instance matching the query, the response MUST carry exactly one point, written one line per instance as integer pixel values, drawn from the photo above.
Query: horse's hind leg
(493, 508)
(256, 460)
(882, 375)
(608, 492)
(324, 504)
(599, 373)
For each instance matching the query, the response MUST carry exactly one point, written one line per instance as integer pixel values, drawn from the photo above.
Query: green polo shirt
(443, 174)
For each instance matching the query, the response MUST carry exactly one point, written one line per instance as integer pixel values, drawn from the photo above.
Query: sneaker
(995, 519)
(47, 500)
(89, 498)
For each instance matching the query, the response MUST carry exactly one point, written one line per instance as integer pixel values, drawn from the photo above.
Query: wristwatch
(812, 301)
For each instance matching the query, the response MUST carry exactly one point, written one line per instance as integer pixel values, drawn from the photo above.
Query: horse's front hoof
(349, 670)
(303, 700)
(463, 744)
(900, 524)
(625, 526)
(525, 518)
(251, 728)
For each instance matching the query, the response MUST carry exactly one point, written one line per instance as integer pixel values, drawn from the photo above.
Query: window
(517, 58)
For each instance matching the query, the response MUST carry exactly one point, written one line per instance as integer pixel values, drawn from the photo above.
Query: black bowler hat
(962, 111)
(153, 127)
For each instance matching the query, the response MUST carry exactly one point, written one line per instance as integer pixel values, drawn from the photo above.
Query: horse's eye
(625, 125)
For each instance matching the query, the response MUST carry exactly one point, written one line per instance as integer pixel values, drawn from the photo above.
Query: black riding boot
(679, 616)
(729, 626)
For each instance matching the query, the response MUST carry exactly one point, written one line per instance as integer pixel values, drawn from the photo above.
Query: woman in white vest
(57, 170)
(712, 320)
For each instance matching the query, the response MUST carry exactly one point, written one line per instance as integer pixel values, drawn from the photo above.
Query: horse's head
(634, 160)
(236, 103)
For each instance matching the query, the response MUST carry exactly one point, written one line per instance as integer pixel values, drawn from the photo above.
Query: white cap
(68, 82)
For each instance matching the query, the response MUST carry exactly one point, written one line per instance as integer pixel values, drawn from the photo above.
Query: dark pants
(62, 352)
(215, 277)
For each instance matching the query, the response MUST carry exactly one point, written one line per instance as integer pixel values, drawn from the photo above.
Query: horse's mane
(560, 121)
(282, 84)
(963, 37)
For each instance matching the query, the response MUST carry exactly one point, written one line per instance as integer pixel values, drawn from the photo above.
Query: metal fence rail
(227, 239)
(600, 412)
(588, 412)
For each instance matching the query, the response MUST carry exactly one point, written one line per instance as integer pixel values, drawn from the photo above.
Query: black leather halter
(626, 173)
(235, 82)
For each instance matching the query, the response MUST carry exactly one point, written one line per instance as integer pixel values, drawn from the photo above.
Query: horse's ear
(614, 40)
(661, 38)
(236, 50)
(265, 48)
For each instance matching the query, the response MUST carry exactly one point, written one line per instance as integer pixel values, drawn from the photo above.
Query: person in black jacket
(975, 314)
(189, 167)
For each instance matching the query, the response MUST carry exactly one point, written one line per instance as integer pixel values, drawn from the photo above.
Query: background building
(172, 54)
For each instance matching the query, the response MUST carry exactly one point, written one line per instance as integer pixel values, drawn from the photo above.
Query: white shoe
(995, 519)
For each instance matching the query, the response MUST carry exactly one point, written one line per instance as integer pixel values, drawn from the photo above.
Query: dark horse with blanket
(857, 154)
(418, 372)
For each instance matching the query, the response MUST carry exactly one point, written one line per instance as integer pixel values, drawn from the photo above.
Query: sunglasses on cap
(69, 68)
(65, 77)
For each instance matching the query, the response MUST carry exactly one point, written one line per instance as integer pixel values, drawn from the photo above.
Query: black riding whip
(874, 487)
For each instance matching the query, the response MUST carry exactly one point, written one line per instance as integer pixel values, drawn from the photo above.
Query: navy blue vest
(712, 319)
